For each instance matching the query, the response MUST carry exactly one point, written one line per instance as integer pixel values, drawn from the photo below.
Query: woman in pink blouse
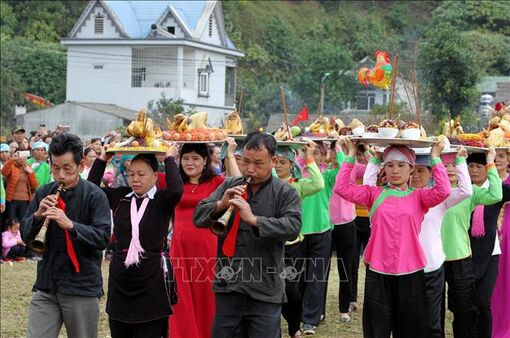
(395, 284)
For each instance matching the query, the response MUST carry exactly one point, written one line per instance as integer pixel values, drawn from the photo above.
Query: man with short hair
(249, 283)
(39, 164)
(97, 145)
(69, 281)
(18, 134)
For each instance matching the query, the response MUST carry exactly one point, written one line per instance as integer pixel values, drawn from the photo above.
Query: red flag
(37, 100)
(302, 116)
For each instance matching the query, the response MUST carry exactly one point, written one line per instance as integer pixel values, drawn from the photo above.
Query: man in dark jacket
(69, 281)
(249, 284)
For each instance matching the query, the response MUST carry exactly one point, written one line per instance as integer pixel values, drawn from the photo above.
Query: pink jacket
(394, 247)
(9, 240)
(342, 211)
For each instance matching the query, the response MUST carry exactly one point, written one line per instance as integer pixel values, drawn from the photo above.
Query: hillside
(293, 44)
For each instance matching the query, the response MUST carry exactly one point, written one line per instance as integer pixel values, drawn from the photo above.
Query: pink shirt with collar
(394, 247)
(430, 234)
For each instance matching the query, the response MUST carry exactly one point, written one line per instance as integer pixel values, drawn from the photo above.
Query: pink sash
(135, 250)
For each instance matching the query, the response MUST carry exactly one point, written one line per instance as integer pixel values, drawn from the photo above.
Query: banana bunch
(470, 137)
(283, 133)
(233, 124)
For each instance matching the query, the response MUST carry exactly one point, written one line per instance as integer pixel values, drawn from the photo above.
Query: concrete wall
(84, 122)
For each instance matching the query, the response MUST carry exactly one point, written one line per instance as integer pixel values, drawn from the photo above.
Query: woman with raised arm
(193, 250)
(138, 304)
(395, 297)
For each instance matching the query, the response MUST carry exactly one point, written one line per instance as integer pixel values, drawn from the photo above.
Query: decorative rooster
(380, 75)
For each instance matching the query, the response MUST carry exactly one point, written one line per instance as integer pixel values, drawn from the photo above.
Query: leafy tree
(8, 20)
(166, 108)
(450, 71)
(315, 60)
(10, 93)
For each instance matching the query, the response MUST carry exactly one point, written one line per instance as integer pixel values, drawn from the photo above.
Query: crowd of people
(420, 222)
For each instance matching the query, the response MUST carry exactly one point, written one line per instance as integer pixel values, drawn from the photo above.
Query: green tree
(165, 108)
(8, 20)
(41, 67)
(314, 61)
(10, 93)
(450, 71)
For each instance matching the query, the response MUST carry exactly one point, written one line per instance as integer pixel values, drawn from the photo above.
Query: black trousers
(344, 241)
(17, 251)
(294, 268)
(16, 209)
(395, 305)
(462, 297)
(434, 288)
(236, 313)
(362, 236)
(153, 329)
(484, 288)
(317, 252)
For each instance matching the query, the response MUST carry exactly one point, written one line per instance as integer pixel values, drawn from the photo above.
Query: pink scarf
(135, 250)
(477, 226)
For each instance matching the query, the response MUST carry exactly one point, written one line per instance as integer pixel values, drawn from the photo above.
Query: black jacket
(87, 207)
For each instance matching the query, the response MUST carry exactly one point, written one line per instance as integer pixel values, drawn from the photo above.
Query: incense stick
(416, 97)
(284, 107)
(393, 85)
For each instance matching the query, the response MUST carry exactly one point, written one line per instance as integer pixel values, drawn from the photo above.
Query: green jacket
(42, 172)
(310, 185)
(456, 221)
(316, 207)
(2, 190)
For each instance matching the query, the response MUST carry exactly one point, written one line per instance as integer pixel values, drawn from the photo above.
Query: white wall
(170, 21)
(215, 38)
(87, 29)
(112, 84)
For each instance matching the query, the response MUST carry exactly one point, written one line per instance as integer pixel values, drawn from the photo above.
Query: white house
(129, 52)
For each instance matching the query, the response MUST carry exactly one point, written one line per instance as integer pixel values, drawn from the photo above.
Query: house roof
(489, 84)
(112, 109)
(136, 17)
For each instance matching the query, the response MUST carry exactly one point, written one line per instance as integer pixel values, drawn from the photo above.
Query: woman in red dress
(193, 250)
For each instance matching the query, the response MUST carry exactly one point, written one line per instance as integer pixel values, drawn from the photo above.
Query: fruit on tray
(388, 124)
(411, 125)
(200, 134)
(372, 128)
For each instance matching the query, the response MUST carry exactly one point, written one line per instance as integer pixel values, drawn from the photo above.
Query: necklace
(194, 187)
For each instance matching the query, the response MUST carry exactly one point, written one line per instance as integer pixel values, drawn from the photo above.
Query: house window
(99, 24)
(138, 76)
(230, 86)
(203, 83)
(365, 101)
(171, 30)
(210, 25)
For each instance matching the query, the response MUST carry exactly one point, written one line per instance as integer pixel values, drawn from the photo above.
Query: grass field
(17, 280)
